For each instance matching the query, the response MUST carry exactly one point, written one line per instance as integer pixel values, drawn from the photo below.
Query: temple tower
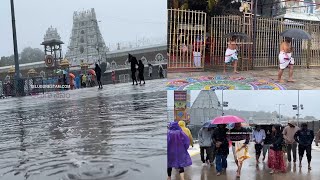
(86, 42)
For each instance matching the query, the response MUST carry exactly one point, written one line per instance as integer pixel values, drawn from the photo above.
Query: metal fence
(186, 38)
(185, 27)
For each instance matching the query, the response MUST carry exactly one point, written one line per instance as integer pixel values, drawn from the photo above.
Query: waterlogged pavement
(115, 133)
(250, 171)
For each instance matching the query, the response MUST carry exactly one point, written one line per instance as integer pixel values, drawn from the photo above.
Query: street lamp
(280, 111)
(15, 47)
(298, 107)
(224, 104)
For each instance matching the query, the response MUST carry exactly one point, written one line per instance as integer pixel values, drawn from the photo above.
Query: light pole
(280, 111)
(223, 104)
(298, 107)
(15, 47)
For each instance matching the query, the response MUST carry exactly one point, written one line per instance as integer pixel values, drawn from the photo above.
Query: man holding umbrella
(285, 59)
(205, 143)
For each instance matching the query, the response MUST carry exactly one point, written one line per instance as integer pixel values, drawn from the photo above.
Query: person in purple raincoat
(177, 150)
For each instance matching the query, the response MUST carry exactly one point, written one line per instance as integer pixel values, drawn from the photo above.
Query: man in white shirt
(258, 137)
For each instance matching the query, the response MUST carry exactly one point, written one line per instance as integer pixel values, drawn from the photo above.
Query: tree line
(28, 55)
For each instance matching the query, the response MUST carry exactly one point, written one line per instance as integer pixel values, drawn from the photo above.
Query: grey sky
(267, 100)
(121, 20)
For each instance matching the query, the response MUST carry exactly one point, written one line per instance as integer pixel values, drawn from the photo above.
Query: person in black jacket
(141, 72)
(304, 137)
(220, 140)
(134, 63)
(97, 69)
(276, 156)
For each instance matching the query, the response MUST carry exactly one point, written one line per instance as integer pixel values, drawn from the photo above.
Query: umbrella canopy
(91, 71)
(227, 120)
(72, 75)
(239, 35)
(209, 125)
(245, 125)
(296, 34)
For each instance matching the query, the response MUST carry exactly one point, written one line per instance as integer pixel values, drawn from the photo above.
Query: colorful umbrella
(91, 71)
(227, 120)
(209, 125)
(72, 75)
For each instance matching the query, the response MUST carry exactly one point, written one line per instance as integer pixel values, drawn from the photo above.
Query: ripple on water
(94, 136)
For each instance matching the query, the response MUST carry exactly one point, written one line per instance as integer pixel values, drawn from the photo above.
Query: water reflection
(91, 135)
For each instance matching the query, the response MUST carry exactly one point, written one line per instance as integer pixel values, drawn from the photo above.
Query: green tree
(30, 55)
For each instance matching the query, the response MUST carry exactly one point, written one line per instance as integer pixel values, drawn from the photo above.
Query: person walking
(239, 134)
(285, 59)
(276, 156)
(317, 140)
(141, 72)
(231, 55)
(258, 136)
(220, 140)
(267, 141)
(133, 62)
(288, 135)
(182, 124)
(161, 71)
(97, 69)
(150, 71)
(113, 77)
(304, 137)
(84, 80)
(205, 143)
(177, 150)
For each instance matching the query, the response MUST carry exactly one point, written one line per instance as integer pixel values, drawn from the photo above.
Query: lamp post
(15, 47)
(223, 104)
(280, 111)
(298, 107)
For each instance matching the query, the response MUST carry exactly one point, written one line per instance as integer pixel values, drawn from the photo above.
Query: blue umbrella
(209, 125)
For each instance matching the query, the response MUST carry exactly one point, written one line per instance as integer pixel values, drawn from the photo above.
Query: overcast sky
(266, 101)
(121, 20)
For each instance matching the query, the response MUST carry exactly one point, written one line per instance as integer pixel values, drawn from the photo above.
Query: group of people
(285, 57)
(271, 141)
(137, 70)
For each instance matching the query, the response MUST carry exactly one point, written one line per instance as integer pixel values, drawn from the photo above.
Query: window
(82, 31)
(81, 49)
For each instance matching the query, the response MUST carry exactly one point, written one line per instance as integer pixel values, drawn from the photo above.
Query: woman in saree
(276, 156)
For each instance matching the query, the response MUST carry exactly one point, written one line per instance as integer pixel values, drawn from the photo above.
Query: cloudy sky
(121, 20)
(266, 101)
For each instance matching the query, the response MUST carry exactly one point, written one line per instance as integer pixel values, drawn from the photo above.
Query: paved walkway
(260, 78)
(250, 171)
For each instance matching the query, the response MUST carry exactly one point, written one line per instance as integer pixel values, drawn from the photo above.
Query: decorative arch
(113, 64)
(144, 60)
(159, 57)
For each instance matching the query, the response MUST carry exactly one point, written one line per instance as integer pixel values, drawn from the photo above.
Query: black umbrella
(239, 35)
(295, 34)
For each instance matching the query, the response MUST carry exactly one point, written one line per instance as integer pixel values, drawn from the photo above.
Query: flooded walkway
(115, 133)
(250, 171)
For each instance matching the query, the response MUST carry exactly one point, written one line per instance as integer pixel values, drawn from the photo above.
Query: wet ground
(306, 79)
(252, 172)
(115, 133)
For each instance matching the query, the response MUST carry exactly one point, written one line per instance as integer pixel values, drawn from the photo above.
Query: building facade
(86, 42)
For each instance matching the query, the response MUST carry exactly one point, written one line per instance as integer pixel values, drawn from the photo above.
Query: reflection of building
(86, 42)
(204, 108)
